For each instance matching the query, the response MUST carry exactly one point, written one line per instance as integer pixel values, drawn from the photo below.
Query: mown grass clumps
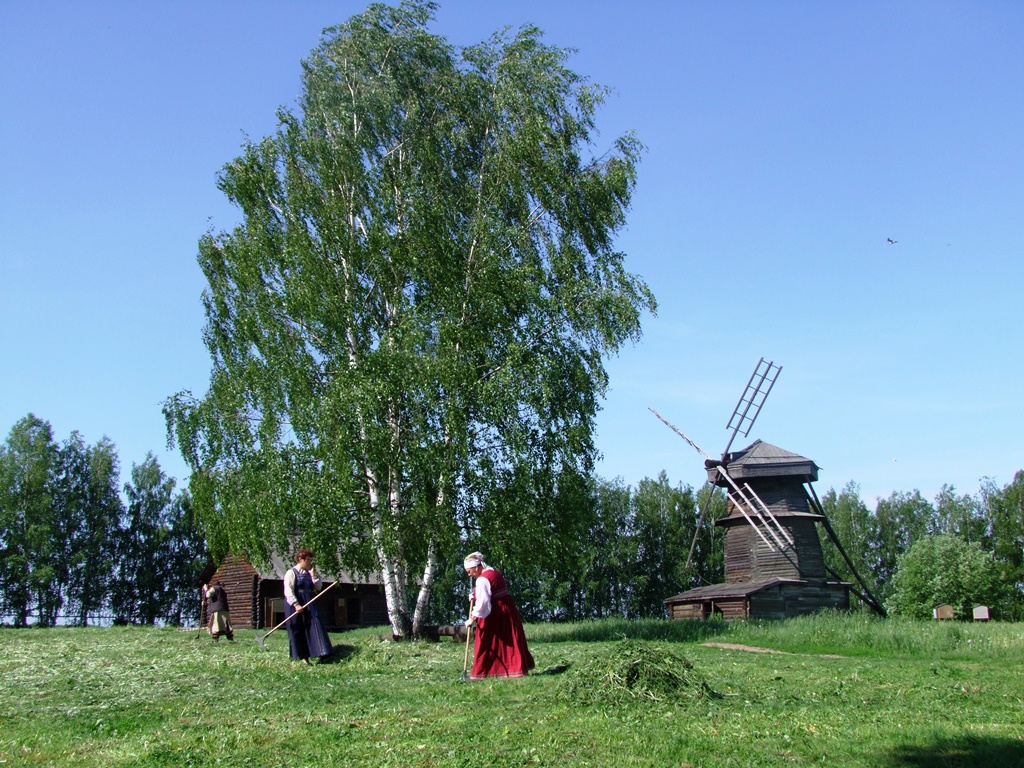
(634, 671)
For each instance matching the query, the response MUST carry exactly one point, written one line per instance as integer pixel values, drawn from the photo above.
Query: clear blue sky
(786, 141)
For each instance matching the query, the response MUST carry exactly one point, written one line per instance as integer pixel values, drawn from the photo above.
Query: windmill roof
(761, 459)
(726, 591)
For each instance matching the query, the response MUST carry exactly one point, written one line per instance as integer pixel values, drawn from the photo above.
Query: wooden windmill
(774, 566)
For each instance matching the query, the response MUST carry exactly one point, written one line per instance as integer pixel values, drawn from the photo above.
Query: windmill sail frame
(753, 397)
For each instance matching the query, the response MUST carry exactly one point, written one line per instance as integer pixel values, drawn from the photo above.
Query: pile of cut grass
(633, 670)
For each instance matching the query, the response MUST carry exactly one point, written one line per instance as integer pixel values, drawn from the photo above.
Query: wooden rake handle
(261, 640)
(469, 634)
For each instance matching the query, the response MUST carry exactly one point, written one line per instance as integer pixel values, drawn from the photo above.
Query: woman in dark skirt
(306, 634)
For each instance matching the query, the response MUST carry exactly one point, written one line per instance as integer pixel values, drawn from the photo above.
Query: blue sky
(786, 142)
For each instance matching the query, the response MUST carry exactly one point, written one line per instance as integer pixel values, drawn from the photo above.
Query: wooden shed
(256, 597)
(774, 565)
(771, 598)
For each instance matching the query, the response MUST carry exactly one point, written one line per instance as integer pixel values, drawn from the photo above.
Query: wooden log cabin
(762, 578)
(256, 596)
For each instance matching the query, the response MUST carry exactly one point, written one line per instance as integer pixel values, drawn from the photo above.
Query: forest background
(78, 547)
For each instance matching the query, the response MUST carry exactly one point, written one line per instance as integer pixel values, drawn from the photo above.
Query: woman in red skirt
(500, 649)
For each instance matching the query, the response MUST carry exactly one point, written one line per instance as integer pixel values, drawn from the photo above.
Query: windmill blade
(747, 409)
(679, 432)
(747, 499)
(700, 519)
(764, 508)
(739, 503)
(701, 512)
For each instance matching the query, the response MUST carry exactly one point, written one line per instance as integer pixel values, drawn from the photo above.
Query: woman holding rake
(306, 634)
(500, 648)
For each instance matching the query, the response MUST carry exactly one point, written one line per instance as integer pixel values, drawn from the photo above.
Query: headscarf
(472, 560)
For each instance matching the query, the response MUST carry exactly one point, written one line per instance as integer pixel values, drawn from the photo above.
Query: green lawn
(848, 692)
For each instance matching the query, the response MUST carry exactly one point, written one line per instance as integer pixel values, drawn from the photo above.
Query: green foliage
(662, 527)
(64, 555)
(619, 551)
(407, 329)
(1004, 514)
(159, 551)
(959, 516)
(993, 519)
(945, 569)
(89, 509)
(29, 535)
(597, 583)
(900, 520)
(853, 524)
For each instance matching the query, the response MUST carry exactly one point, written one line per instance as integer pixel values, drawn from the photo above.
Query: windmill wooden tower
(774, 566)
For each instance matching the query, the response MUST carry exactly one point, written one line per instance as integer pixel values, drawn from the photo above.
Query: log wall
(239, 580)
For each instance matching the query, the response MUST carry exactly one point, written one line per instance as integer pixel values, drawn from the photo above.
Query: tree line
(78, 548)
(625, 550)
(959, 548)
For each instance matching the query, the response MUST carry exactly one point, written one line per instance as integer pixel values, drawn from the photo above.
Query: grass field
(836, 690)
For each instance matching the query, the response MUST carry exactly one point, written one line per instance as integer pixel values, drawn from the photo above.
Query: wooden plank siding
(240, 581)
(775, 602)
(256, 601)
(748, 557)
(762, 579)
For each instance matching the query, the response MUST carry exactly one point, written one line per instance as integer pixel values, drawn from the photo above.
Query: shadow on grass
(607, 630)
(555, 670)
(967, 751)
(341, 652)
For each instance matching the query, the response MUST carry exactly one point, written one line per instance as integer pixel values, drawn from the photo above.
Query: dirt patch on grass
(756, 649)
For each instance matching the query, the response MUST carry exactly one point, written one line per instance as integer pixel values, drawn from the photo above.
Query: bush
(945, 569)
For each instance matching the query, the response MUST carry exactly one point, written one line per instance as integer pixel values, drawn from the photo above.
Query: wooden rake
(469, 634)
(262, 638)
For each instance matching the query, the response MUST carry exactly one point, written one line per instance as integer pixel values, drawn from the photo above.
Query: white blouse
(289, 585)
(482, 604)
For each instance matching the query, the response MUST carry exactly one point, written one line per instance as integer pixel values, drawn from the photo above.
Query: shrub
(945, 569)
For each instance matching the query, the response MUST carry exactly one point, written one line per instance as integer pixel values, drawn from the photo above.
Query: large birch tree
(412, 316)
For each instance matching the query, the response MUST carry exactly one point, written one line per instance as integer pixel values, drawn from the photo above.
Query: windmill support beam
(696, 530)
(864, 598)
(873, 603)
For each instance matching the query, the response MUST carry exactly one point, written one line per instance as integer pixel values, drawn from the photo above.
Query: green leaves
(414, 310)
(945, 569)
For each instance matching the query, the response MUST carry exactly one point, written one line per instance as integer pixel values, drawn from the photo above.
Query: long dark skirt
(307, 637)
